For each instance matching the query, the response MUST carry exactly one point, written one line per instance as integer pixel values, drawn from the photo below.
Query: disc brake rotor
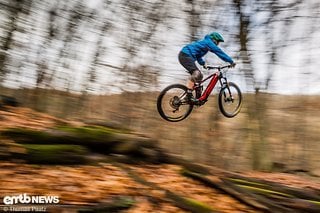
(175, 102)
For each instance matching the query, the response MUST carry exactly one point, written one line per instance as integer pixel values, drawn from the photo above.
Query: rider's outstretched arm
(219, 52)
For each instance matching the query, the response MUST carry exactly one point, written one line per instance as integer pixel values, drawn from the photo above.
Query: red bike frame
(211, 85)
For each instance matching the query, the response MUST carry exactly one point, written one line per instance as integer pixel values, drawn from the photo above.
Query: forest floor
(145, 187)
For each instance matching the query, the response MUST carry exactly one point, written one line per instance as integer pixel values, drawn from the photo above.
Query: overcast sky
(296, 71)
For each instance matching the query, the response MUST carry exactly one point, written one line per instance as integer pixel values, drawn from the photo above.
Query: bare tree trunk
(259, 149)
(15, 7)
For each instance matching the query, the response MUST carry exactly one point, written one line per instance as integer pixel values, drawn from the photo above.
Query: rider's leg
(189, 64)
(190, 84)
(195, 77)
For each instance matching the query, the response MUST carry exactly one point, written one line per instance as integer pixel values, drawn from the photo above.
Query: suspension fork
(227, 85)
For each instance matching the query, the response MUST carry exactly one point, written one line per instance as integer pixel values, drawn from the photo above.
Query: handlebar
(218, 67)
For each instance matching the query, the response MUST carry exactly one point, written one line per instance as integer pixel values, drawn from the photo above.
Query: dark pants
(187, 62)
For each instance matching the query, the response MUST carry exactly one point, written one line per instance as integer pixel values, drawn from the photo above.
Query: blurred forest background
(108, 59)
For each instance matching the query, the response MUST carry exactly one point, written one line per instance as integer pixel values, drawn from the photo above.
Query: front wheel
(230, 100)
(173, 104)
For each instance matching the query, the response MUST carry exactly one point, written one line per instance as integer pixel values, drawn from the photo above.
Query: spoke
(174, 107)
(230, 101)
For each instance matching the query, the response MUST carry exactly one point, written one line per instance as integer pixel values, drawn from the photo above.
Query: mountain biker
(194, 52)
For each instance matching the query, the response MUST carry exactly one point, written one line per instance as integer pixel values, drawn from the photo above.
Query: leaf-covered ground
(89, 185)
(82, 185)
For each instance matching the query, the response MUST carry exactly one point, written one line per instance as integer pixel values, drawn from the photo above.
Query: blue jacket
(198, 49)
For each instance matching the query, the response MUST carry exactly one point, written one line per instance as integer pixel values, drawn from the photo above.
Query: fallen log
(117, 204)
(185, 203)
(194, 167)
(272, 207)
(29, 136)
(98, 139)
(243, 198)
(8, 101)
(273, 186)
(300, 204)
(53, 154)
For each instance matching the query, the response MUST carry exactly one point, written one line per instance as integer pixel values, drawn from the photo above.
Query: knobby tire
(224, 90)
(161, 102)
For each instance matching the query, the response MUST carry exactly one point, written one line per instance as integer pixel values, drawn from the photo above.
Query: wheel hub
(175, 102)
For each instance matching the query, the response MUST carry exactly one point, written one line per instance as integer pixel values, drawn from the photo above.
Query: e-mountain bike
(174, 103)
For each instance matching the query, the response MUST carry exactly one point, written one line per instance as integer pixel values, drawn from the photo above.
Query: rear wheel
(173, 104)
(230, 100)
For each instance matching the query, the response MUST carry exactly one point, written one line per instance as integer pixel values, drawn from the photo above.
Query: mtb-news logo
(30, 199)
(25, 202)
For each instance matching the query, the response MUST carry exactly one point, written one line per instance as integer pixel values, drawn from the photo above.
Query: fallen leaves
(74, 185)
